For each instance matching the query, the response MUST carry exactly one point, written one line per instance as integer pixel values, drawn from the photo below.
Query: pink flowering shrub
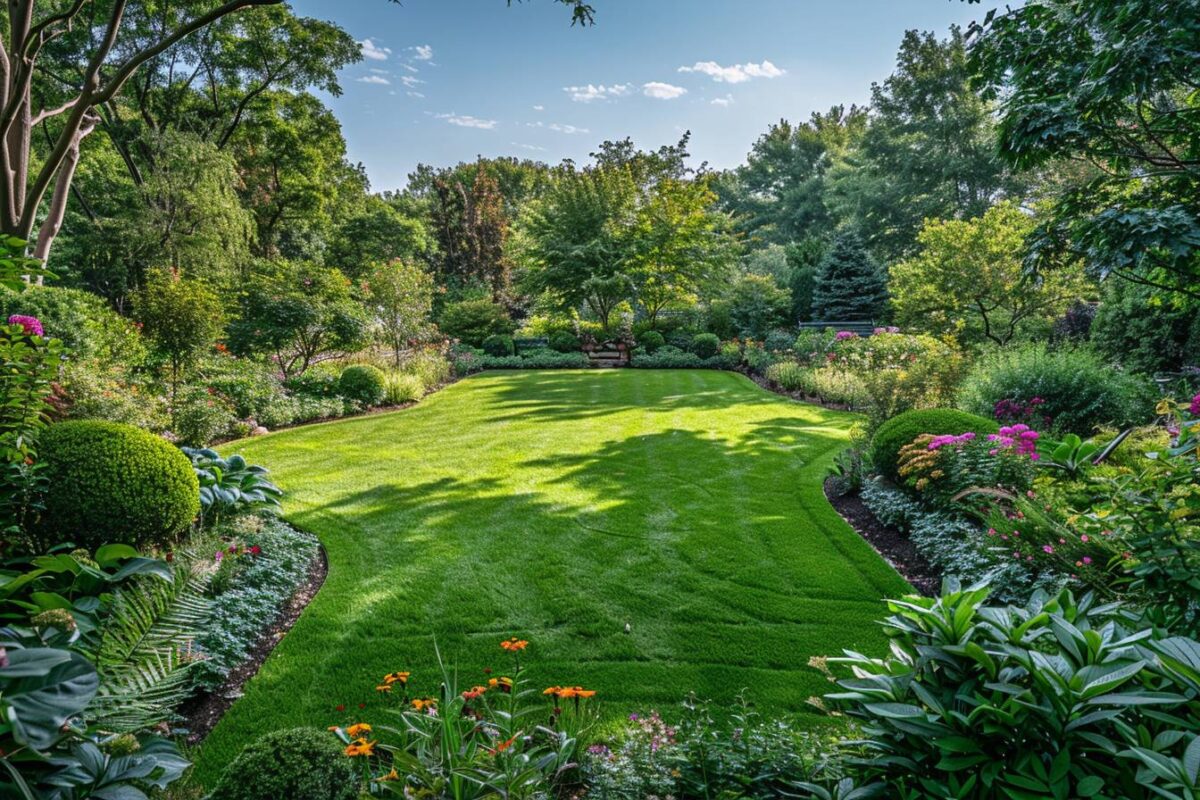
(32, 325)
(1019, 438)
(942, 469)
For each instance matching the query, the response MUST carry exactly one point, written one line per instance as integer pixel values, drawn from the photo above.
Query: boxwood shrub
(114, 484)
(903, 428)
(364, 384)
(499, 346)
(706, 345)
(299, 764)
(564, 342)
(651, 341)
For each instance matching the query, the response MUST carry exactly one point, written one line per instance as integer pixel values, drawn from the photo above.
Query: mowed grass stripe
(560, 506)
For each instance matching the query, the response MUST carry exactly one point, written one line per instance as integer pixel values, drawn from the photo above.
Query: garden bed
(892, 545)
(202, 713)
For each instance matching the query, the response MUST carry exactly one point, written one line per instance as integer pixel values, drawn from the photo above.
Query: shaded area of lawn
(559, 507)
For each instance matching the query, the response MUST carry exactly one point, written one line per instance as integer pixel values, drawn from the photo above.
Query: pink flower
(842, 336)
(1193, 409)
(217, 556)
(1087, 559)
(32, 325)
(1047, 548)
(1083, 538)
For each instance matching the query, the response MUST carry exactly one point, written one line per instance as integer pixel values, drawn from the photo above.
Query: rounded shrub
(114, 484)
(706, 345)
(364, 384)
(299, 764)
(1074, 390)
(564, 342)
(903, 428)
(499, 345)
(651, 341)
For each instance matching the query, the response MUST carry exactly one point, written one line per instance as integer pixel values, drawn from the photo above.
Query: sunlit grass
(561, 507)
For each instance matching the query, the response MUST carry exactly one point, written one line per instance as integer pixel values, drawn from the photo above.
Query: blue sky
(447, 80)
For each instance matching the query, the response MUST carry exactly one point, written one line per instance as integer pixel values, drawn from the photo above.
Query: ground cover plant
(654, 532)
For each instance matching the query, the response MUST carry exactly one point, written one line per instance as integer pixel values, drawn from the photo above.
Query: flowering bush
(32, 326)
(899, 371)
(497, 738)
(942, 467)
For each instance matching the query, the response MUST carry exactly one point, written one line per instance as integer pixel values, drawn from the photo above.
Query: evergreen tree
(850, 285)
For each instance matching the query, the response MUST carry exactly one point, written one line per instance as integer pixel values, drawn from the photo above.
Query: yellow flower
(391, 776)
(384, 687)
(396, 677)
(421, 705)
(360, 748)
(357, 730)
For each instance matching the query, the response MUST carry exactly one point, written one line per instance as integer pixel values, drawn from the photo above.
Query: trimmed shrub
(564, 342)
(299, 764)
(364, 384)
(498, 346)
(651, 341)
(779, 341)
(114, 484)
(472, 321)
(403, 388)
(903, 428)
(706, 345)
(1078, 390)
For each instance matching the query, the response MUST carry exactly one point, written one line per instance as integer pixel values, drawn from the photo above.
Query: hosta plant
(230, 486)
(1061, 698)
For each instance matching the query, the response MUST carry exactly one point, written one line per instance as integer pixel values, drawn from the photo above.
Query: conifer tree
(850, 284)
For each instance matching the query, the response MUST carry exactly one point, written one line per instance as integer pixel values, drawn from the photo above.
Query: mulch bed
(202, 713)
(897, 550)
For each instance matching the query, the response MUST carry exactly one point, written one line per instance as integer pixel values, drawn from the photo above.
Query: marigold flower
(514, 644)
(396, 677)
(357, 730)
(360, 748)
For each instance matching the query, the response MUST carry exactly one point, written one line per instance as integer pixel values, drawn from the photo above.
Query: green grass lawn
(559, 506)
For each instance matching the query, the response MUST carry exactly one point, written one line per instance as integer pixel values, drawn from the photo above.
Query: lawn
(561, 507)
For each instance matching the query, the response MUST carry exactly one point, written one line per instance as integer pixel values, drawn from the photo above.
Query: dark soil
(202, 713)
(898, 551)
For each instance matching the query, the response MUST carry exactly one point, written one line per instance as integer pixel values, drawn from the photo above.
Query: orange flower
(421, 705)
(360, 748)
(473, 694)
(384, 687)
(396, 677)
(554, 690)
(503, 684)
(565, 693)
(356, 731)
(514, 644)
(390, 777)
(500, 748)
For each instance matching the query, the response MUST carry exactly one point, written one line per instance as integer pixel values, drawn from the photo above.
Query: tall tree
(928, 151)
(850, 286)
(1114, 84)
(399, 296)
(471, 227)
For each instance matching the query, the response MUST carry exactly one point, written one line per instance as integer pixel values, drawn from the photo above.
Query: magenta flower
(32, 325)
(1194, 408)
(1047, 548)
(842, 336)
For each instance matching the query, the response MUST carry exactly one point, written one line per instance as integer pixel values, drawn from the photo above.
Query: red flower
(341, 708)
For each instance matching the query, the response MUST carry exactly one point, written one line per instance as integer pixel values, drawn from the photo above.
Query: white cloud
(663, 91)
(735, 73)
(727, 100)
(590, 93)
(377, 80)
(532, 147)
(417, 95)
(539, 108)
(423, 52)
(467, 121)
(373, 52)
(557, 128)
(410, 81)
(410, 68)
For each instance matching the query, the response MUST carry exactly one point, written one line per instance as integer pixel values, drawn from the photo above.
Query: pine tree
(850, 284)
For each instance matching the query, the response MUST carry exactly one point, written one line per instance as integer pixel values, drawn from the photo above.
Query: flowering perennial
(32, 325)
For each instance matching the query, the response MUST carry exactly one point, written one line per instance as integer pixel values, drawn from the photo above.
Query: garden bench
(537, 343)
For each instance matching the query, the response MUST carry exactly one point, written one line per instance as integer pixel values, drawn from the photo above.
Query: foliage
(1144, 332)
(296, 313)
(705, 345)
(898, 371)
(903, 428)
(301, 763)
(230, 486)
(849, 283)
(399, 296)
(928, 151)
(1078, 389)
(469, 361)
(472, 743)
(252, 591)
(939, 468)
(385, 231)
(401, 388)
(565, 342)
(114, 483)
(363, 384)
(200, 416)
(756, 305)
(708, 753)
(498, 345)
(827, 384)
(83, 322)
(1113, 83)
(968, 280)
(1078, 702)
(472, 321)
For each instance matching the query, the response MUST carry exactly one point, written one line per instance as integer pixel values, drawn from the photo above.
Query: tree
(968, 280)
(574, 240)
(181, 317)
(297, 312)
(756, 305)
(780, 194)
(928, 152)
(471, 227)
(1112, 83)
(850, 286)
(678, 245)
(399, 296)
(386, 229)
